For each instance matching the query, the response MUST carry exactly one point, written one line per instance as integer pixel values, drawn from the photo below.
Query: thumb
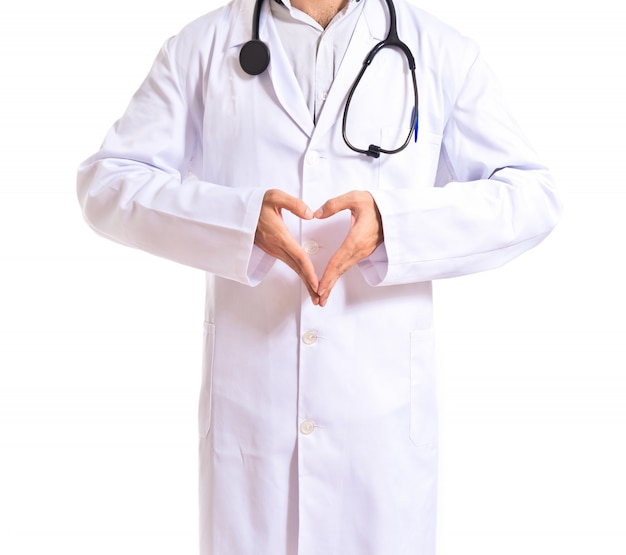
(298, 207)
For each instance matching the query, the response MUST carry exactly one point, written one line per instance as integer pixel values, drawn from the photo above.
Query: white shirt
(315, 53)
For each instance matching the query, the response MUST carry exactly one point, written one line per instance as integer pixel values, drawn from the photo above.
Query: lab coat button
(307, 427)
(312, 157)
(311, 247)
(309, 337)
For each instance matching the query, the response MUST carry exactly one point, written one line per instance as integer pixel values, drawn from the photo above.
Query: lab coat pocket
(419, 160)
(427, 158)
(206, 394)
(423, 425)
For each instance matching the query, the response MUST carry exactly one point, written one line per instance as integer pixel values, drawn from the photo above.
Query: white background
(100, 345)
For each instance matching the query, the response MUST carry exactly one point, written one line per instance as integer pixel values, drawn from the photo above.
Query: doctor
(317, 413)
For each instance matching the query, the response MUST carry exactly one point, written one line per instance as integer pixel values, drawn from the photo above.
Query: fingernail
(319, 213)
(321, 293)
(309, 213)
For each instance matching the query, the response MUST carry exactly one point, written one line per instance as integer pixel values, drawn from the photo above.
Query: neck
(321, 11)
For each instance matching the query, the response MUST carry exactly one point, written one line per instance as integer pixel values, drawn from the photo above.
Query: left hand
(365, 234)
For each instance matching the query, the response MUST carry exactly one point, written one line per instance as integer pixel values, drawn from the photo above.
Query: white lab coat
(318, 426)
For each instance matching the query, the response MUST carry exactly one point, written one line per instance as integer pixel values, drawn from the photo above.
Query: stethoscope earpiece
(254, 57)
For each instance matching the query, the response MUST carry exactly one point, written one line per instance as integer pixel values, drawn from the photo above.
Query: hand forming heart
(365, 234)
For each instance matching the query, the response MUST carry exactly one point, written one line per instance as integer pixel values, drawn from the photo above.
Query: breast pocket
(418, 161)
(206, 388)
(423, 424)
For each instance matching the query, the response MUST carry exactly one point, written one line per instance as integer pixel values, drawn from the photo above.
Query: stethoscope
(254, 58)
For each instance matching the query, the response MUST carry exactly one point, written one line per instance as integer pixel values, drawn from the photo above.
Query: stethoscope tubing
(254, 58)
(375, 151)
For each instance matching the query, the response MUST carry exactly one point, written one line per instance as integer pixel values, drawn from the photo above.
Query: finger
(308, 277)
(298, 260)
(334, 205)
(344, 258)
(291, 253)
(301, 267)
(281, 200)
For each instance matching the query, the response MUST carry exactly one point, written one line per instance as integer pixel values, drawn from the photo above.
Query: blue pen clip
(417, 118)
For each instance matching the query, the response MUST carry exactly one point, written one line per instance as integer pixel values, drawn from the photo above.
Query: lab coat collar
(241, 23)
(376, 16)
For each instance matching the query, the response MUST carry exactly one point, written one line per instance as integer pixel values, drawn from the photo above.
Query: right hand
(273, 236)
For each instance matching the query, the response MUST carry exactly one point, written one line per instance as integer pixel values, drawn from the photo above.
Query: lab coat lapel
(284, 81)
(279, 72)
(370, 29)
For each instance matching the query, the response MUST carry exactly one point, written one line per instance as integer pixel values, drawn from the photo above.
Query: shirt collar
(287, 3)
(298, 14)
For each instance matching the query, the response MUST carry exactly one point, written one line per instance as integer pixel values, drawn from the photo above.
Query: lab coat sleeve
(141, 190)
(492, 199)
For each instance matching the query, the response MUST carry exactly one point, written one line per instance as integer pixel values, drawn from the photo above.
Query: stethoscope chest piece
(254, 57)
